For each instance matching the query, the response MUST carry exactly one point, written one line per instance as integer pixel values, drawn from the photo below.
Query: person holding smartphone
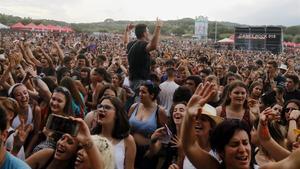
(64, 156)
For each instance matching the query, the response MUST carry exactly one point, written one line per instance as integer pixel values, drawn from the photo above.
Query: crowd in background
(252, 95)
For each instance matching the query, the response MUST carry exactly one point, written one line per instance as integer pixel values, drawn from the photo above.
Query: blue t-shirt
(12, 162)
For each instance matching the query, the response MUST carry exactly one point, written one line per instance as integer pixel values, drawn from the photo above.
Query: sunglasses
(286, 110)
(105, 107)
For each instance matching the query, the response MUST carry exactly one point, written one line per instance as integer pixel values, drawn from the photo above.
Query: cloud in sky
(254, 12)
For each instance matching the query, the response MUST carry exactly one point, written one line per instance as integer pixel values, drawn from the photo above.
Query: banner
(264, 38)
(201, 27)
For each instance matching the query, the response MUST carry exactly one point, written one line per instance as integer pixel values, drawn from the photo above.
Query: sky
(252, 12)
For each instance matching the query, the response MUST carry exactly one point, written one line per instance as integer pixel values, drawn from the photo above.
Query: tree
(288, 38)
(108, 20)
(296, 39)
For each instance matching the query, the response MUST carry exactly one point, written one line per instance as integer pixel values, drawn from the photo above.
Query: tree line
(180, 27)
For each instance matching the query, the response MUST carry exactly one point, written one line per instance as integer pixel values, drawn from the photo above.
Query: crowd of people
(146, 102)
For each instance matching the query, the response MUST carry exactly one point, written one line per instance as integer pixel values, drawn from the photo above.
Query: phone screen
(62, 125)
(167, 138)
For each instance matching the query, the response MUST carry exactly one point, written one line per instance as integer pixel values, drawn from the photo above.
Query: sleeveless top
(16, 122)
(146, 127)
(119, 153)
(188, 165)
(10, 143)
(246, 116)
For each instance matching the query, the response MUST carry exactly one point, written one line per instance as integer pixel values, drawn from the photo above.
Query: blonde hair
(106, 150)
(10, 104)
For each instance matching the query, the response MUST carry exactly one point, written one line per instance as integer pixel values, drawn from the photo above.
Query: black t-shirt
(139, 60)
(291, 95)
(48, 71)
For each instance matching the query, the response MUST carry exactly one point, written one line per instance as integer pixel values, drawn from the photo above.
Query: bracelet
(291, 119)
(88, 144)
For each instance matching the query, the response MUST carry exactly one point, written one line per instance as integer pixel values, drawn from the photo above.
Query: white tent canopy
(226, 40)
(3, 26)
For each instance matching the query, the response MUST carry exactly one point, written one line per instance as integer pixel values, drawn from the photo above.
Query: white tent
(226, 40)
(3, 26)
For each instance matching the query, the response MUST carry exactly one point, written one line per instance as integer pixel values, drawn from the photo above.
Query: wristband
(291, 119)
(265, 133)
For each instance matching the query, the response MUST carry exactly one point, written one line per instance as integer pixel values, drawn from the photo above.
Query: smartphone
(167, 138)
(62, 125)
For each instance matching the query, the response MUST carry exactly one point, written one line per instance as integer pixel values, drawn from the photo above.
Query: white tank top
(16, 122)
(119, 153)
(188, 165)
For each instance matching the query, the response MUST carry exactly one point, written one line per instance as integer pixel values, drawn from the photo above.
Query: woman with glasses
(145, 117)
(290, 118)
(288, 107)
(112, 123)
(91, 117)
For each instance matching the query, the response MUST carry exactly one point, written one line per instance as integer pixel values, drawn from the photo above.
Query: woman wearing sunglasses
(288, 120)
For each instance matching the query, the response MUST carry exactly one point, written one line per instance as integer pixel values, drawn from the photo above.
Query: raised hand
(30, 72)
(159, 22)
(159, 133)
(176, 142)
(21, 134)
(129, 27)
(173, 166)
(268, 115)
(294, 114)
(84, 134)
(201, 96)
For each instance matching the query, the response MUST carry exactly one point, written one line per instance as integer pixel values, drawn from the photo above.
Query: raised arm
(274, 149)
(199, 157)
(47, 57)
(60, 52)
(154, 41)
(127, 30)
(30, 55)
(84, 137)
(294, 116)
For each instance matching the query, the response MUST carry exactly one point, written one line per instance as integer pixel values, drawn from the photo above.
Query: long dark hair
(283, 120)
(68, 107)
(171, 123)
(121, 128)
(69, 83)
(222, 134)
(102, 72)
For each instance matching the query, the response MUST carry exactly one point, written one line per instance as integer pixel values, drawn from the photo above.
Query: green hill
(178, 27)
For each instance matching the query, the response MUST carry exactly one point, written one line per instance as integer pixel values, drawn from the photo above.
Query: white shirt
(9, 145)
(166, 93)
(119, 153)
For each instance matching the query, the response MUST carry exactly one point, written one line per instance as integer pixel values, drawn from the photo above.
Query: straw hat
(212, 113)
